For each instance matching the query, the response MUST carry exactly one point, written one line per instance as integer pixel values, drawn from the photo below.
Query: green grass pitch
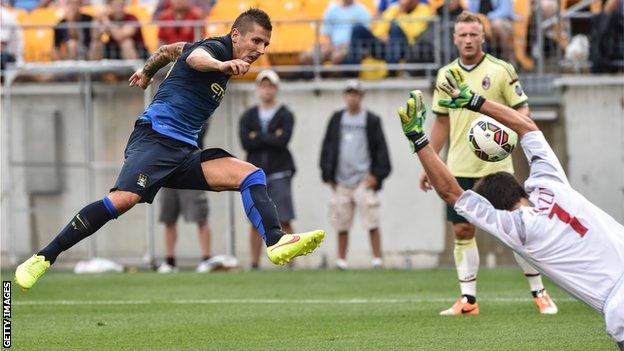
(294, 310)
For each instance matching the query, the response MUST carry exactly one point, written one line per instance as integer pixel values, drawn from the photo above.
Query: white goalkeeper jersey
(566, 237)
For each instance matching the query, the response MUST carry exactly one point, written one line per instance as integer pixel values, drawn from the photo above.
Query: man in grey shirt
(354, 162)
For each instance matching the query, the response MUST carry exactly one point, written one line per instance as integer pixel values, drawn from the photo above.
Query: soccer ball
(490, 140)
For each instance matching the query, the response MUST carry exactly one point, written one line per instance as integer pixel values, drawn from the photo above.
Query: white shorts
(614, 312)
(344, 201)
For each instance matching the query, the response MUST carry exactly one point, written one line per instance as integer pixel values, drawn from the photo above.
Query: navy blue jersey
(187, 97)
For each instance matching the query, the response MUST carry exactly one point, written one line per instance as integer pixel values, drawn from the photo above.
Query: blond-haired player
(572, 241)
(496, 80)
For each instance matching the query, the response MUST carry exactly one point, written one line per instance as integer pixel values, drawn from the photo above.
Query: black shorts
(153, 161)
(466, 184)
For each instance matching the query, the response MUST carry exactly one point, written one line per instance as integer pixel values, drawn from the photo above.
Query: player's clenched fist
(413, 117)
(234, 67)
(139, 78)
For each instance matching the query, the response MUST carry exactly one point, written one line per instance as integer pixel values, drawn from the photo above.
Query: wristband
(418, 140)
(475, 102)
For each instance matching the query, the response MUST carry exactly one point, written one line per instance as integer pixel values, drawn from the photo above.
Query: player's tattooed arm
(162, 57)
(159, 59)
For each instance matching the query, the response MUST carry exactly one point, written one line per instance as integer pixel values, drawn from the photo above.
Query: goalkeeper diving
(556, 229)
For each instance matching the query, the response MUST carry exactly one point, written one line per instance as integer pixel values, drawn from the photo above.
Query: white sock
(467, 264)
(532, 274)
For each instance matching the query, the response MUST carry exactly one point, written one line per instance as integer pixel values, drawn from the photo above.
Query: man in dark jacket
(354, 162)
(265, 131)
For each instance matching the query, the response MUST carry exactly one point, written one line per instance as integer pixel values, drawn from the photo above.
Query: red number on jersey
(565, 217)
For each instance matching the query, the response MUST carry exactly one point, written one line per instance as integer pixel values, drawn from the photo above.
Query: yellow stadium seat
(288, 40)
(92, 10)
(283, 9)
(314, 9)
(216, 29)
(291, 37)
(223, 14)
(149, 30)
(39, 41)
(371, 5)
(380, 71)
(228, 10)
(522, 8)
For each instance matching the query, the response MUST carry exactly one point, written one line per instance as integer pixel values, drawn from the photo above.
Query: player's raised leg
(86, 222)
(540, 296)
(229, 173)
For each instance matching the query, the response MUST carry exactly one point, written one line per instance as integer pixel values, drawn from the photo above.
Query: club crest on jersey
(218, 92)
(518, 89)
(486, 83)
(142, 180)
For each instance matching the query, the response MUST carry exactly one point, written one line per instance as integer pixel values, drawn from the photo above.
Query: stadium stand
(223, 13)
(315, 8)
(522, 8)
(150, 31)
(289, 37)
(39, 36)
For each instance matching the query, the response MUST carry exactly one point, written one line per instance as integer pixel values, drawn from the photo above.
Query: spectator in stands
(122, 31)
(11, 40)
(180, 10)
(72, 36)
(265, 131)
(391, 38)
(607, 38)
(355, 162)
(454, 7)
(338, 22)
(203, 6)
(500, 14)
(193, 205)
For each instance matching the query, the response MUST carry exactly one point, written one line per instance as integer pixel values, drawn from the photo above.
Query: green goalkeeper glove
(413, 119)
(459, 91)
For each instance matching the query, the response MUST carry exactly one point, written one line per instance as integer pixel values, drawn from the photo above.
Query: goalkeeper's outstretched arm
(413, 117)
(439, 175)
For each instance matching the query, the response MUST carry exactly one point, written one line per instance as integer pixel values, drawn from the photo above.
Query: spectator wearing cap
(265, 130)
(355, 162)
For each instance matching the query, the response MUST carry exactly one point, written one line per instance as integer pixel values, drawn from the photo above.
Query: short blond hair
(468, 17)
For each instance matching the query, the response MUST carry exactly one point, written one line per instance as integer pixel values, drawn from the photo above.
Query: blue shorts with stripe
(153, 161)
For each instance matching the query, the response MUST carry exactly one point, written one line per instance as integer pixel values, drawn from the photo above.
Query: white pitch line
(263, 301)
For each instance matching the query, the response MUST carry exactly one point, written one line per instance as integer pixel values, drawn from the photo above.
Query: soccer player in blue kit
(162, 150)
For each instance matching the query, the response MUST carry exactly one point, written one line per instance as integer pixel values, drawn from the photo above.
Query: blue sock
(259, 207)
(91, 218)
